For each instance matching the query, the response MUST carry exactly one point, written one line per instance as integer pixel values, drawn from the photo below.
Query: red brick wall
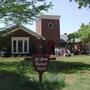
(34, 43)
(49, 34)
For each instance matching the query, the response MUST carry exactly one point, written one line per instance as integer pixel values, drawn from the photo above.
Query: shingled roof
(14, 28)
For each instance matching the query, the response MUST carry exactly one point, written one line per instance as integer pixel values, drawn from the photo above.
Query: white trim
(23, 40)
(28, 46)
(11, 45)
(10, 31)
(24, 29)
(49, 17)
(17, 46)
(23, 46)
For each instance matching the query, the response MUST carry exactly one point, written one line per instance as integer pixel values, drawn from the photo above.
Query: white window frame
(23, 49)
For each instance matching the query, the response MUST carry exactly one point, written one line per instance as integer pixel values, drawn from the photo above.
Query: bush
(50, 82)
(53, 82)
(15, 81)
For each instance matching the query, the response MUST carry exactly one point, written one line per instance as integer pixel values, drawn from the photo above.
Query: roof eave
(24, 29)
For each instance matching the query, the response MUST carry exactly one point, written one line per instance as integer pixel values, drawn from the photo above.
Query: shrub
(50, 82)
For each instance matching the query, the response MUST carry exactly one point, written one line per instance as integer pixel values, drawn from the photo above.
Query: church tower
(48, 26)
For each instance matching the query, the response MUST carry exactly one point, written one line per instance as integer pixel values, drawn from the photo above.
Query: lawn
(65, 73)
(76, 71)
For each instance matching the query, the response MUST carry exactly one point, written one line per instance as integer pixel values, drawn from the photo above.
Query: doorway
(51, 47)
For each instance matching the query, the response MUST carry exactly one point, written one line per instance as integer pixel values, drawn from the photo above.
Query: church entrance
(51, 47)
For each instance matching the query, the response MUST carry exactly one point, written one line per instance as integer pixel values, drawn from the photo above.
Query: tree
(22, 11)
(72, 37)
(82, 3)
(84, 32)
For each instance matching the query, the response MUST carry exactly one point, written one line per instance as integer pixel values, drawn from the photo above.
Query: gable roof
(5, 30)
(14, 28)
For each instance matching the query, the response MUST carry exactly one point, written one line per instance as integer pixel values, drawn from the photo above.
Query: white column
(28, 46)
(16, 46)
(12, 45)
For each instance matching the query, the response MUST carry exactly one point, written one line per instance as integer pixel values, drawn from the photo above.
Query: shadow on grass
(24, 67)
(21, 67)
(14, 81)
(67, 67)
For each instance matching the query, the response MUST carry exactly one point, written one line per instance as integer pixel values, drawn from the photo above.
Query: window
(50, 25)
(20, 46)
(14, 45)
(25, 46)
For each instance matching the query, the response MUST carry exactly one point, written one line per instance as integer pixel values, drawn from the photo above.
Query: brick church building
(21, 40)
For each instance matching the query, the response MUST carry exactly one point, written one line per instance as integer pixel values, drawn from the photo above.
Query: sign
(40, 62)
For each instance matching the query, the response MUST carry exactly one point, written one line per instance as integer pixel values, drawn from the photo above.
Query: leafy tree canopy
(22, 11)
(82, 3)
(83, 33)
(72, 37)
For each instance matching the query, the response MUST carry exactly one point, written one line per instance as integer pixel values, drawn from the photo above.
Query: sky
(71, 17)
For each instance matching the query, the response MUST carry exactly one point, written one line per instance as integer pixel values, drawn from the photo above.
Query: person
(2, 53)
(62, 51)
(67, 52)
(57, 51)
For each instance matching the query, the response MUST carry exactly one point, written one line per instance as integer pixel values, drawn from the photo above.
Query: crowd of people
(62, 51)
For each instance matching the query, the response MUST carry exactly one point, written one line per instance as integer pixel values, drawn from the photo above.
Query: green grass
(76, 71)
(17, 74)
(65, 73)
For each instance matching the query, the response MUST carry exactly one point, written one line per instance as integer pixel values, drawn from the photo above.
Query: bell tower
(48, 26)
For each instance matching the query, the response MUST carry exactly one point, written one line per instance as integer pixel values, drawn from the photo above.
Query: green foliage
(22, 12)
(84, 32)
(72, 37)
(82, 3)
